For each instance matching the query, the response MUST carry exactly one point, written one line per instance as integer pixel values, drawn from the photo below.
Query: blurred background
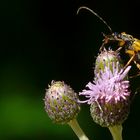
(45, 40)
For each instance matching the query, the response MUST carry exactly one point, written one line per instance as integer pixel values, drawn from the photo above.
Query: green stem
(77, 129)
(116, 132)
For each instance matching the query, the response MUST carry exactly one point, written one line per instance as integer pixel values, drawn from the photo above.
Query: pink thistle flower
(108, 94)
(109, 85)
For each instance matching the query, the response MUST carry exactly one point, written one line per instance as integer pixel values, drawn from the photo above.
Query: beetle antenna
(84, 7)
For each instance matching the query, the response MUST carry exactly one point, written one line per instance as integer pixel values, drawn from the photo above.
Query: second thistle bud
(61, 102)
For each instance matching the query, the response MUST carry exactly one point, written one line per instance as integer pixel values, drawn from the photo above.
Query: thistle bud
(107, 58)
(61, 102)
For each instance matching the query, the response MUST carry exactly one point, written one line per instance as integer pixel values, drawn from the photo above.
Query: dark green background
(45, 40)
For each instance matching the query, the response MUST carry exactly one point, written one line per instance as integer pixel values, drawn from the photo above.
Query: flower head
(61, 102)
(109, 85)
(108, 94)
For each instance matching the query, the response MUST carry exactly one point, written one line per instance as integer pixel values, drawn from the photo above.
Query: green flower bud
(107, 58)
(61, 102)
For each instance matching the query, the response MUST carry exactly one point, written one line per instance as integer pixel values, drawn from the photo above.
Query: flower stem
(116, 132)
(77, 129)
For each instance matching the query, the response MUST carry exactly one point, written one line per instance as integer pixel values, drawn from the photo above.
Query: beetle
(123, 40)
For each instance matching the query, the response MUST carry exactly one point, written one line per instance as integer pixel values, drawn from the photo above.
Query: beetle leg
(102, 47)
(130, 60)
(119, 49)
(137, 64)
(121, 44)
(133, 76)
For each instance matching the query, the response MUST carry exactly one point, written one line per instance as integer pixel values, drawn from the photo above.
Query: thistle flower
(108, 95)
(61, 102)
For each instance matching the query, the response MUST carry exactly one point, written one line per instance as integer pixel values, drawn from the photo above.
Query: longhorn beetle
(127, 41)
